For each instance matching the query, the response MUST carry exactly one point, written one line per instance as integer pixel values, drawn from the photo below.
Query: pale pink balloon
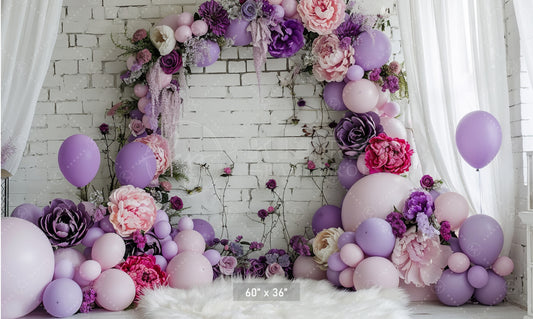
(130, 61)
(352, 255)
(451, 207)
(374, 195)
(360, 96)
(458, 262)
(141, 104)
(382, 99)
(115, 290)
(391, 109)
(393, 127)
(140, 90)
(188, 270)
(199, 28)
(183, 33)
(290, 7)
(185, 18)
(90, 270)
(503, 266)
(361, 165)
(80, 281)
(274, 2)
(376, 272)
(71, 254)
(172, 21)
(108, 250)
(346, 277)
(190, 240)
(64, 269)
(306, 267)
(185, 223)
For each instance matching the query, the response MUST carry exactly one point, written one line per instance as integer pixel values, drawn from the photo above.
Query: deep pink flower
(166, 185)
(144, 271)
(387, 154)
(311, 165)
(270, 209)
(227, 170)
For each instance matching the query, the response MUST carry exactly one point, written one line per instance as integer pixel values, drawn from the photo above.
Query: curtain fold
(455, 60)
(524, 11)
(29, 32)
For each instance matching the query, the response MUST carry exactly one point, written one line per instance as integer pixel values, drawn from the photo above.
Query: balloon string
(480, 192)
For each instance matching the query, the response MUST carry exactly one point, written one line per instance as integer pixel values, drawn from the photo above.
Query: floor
(433, 310)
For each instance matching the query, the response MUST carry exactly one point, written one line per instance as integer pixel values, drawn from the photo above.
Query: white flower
(163, 39)
(325, 244)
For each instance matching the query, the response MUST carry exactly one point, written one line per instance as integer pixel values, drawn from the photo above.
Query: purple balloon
(481, 239)
(106, 225)
(347, 237)
(174, 232)
(205, 229)
(355, 73)
(372, 49)
(348, 173)
(333, 95)
(335, 263)
(454, 245)
(87, 252)
(64, 269)
(375, 237)
(453, 289)
(135, 165)
(207, 53)
(62, 297)
(213, 256)
(161, 215)
(136, 114)
(79, 159)
(28, 212)
(161, 261)
(325, 217)
(92, 235)
(333, 277)
(477, 276)
(493, 292)
(169, 249)
(162, 229)
(237, 32)
(478, 138)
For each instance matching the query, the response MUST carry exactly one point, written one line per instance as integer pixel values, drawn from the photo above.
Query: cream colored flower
(163, 39)
(325, 244)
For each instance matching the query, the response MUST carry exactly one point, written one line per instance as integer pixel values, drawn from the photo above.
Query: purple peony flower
(64, 223)
(104, 128)
(391, 83)
(171, 63)
(424, 226)
(397, 224)
(427, 182)
(418, 202)
(256, 245)
(139, 239)
(262, 213)
(176, 203)
(445, 230)
(224, 242)
(355, 130)
(301, 103)
(271, 184)
(215, 16)
(287, 38)
(257, 268)
(267, 9)
(249, 10)
(375, 75)
(299, 245)
(351, 27)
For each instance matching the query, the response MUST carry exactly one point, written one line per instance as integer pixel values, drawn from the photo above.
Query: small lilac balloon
(183, 33)
(335, 263)
(238, 33)
(213, 256)
(478, 138)
(169, 249)
(372, 49)
(333, 277)
(355, 73)
(325, 217)
(205, 229)
(62, 298)
(79, 159)
(375, 237)
(208, 53)
(199, 28)
(478, 276)
(164, 240)
(28, 212)
(140, 90)
(333, 95)
(161, 216)
(346, 238)
(453, 289)
(278, 12)
(481, 239)
(493, 292)
(106, 225)
(135, 165)
(348, 173)
(92, 235)
(162, 229)
(391, 109)
(64, 269)
(90, 270)
(161, 261)
(185, 223)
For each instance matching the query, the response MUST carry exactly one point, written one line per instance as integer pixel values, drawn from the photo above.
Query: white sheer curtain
(456, 63)
(29, 32)
(524, 11)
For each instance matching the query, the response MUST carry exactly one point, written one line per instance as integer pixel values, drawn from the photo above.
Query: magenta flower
(227, 170)
(311, 165)
(271, 184)
(445, 230)
(374, 76)
(427, 182)
(104, 128)
(176, 203)
(144, 271)
(262, 213)
(271, 209)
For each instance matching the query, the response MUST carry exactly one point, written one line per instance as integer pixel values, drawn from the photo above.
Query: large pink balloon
(372, 49)
(376, 272)
(108, 250)
(451, 207)
(306, 267)
(115, 290)
(374, 195)
(27, 266)
(188, 270)
(79, 159)
(237, 32)
(360, 96)
(478, 138)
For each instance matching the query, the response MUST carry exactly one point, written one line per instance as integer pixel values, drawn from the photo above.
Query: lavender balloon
(481, 239)
(478, 276)
(207, 53)
(135, 165)
(212, 255)
(453, 289)
(348, 173)
(478, 138)
(375, 237)
(335, 263)
(372, 49)
(333, 277)
(333, 95)
(346, 238)
(205, 229)
(237, 32)
(79, 159)
(325, 217)
(28, 212)
(493, 292)
(62, 297)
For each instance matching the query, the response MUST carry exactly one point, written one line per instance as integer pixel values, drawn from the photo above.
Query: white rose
(325, 244)
(163, 39)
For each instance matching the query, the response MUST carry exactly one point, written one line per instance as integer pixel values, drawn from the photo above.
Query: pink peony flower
(273, 270)
(166, 185)
(144, 271)
(387, 154)
(159, 146)
(419, 259)
(144, 56)
(321, 16)
(136, 127)
(131, 209)
(333, 59)
(227, 264)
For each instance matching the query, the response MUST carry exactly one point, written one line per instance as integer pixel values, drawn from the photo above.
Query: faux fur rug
(318, 299)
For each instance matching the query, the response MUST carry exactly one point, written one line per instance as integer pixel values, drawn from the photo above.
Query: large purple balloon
(237, 32)
(207, 53)
(325, 217)
(79, 159)
(333, 95)
(375, 237)
(205, 229)
(28, 212)
(372, 49)
(348, 173)
(478, 138)
(493, 292)
(135, 165)
(453, 289)
(481, 239)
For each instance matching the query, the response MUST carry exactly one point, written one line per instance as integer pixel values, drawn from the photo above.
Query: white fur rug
(318, 299)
